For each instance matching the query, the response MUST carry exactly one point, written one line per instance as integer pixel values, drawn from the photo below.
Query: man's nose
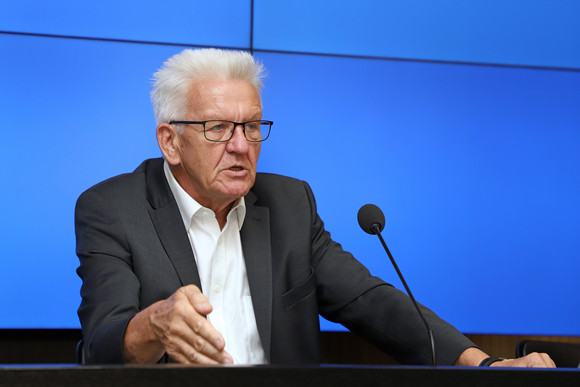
(238, 142)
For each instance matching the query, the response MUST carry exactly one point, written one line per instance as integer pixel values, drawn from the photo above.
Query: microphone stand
(376, 229)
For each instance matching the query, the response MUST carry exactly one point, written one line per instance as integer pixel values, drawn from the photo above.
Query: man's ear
(168, 141)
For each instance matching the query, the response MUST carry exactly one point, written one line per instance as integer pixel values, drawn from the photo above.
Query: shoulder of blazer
(269, 185)
(147, 182)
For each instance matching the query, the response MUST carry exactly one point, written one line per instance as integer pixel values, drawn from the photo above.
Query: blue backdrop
(459, 118)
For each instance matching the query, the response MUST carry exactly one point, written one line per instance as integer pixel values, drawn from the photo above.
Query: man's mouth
(236, 169)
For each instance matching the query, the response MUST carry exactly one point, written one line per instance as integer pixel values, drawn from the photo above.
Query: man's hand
(177, 326)
(474, 356)
(540, 360)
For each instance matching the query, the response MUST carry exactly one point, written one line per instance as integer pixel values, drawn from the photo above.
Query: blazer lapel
(255, 235)
(166, 218)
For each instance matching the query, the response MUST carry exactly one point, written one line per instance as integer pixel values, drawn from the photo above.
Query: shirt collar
(188, 206)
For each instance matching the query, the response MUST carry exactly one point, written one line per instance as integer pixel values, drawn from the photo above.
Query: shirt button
(217, 288)
(220, 241)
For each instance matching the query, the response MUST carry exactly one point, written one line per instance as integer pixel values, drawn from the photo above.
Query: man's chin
(236, 191)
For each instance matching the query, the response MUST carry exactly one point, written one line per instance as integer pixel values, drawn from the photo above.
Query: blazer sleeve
(110, 287)
(348, 294)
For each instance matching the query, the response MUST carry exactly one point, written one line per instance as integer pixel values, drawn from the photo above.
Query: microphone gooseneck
(372, 220)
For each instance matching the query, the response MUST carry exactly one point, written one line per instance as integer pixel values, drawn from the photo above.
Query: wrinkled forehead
(230, 97)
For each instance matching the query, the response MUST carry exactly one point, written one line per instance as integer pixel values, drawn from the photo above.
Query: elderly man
(196, 258)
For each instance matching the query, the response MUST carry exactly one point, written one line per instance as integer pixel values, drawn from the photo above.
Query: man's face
(217, 173)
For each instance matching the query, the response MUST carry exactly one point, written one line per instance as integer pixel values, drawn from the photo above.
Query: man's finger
(197, 299)
(536, 360)
(182, 352)
(206, 339)
(186, 346)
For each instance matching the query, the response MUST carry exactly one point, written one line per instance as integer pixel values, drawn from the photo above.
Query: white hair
(171, 83)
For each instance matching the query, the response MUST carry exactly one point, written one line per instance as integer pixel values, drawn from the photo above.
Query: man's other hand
(536, 360)
(177, 326)
(474, 356)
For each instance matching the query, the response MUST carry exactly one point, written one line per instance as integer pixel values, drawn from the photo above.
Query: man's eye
(216, 128)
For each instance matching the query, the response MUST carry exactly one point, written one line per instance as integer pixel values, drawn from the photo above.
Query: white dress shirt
(222, 271)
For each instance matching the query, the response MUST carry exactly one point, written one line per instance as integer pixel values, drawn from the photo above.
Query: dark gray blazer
(134, 251)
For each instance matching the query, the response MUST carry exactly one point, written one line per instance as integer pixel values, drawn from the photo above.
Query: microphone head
(370, 215)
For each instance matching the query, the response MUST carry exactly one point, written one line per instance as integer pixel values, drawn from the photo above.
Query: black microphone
(372, 220)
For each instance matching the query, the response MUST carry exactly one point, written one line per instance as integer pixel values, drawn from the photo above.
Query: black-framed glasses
(223, 131)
